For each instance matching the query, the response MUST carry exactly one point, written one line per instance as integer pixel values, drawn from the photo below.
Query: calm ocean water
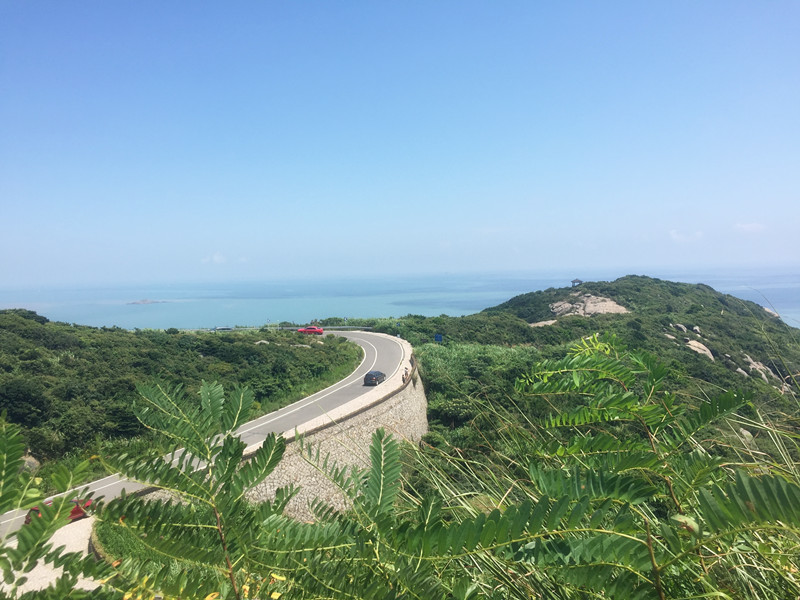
(256, 304)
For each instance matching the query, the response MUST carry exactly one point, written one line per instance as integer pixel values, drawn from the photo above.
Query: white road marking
(256, 423)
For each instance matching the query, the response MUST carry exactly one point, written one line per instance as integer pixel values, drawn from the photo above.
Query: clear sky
(150, 141)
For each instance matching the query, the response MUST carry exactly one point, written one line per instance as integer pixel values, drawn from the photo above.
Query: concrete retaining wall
(398, 405)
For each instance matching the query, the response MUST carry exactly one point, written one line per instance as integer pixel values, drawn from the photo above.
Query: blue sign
(437, 337)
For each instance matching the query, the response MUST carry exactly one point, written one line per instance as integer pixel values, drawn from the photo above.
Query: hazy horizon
(562, 275)
(255, 303)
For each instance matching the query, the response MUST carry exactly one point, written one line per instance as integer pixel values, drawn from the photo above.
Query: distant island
(146, 301)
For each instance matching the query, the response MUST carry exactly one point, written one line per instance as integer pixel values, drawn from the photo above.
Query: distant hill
(714, 336)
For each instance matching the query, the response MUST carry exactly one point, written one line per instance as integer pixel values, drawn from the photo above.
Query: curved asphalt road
(381, 353)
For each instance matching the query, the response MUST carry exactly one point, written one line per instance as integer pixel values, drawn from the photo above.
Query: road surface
(381, 353)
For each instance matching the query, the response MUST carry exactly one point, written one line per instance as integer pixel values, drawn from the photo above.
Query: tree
(24, 401)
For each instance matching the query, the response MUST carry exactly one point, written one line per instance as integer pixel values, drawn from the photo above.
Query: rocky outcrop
(29, 463)
(760, 368)
(544, 323)
(586, 305)
(692, 344)
(700, 348)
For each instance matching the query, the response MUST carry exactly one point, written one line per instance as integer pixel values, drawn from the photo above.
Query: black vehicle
(374, 378)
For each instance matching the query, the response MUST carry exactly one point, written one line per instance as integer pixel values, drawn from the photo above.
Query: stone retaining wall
(402, 412)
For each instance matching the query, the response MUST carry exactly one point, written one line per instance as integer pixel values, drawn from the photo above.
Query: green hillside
(705, 334)
(707, 342)
(70, 387)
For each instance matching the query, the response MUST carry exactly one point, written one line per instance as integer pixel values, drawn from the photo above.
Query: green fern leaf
(237, 408)
(212, 401)
(383, 478)
(261, 464)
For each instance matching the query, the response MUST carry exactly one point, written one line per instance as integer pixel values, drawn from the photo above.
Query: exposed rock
(260, 342)
(670, 336)
(586, 305)
(29, 463)
(741, 371)
(760, 368)
(679, 326)
(699, 348)
(696, 329)
(543, 323)
(748, 439)
(772, 312)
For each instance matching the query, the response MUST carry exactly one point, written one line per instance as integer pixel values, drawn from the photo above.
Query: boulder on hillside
(586, 305)
(700, 348)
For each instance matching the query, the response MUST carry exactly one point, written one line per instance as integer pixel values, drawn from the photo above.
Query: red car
(311, 329)
(78, 510)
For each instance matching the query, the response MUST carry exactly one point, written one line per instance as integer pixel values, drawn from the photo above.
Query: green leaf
(383, 479)
(237, 408)
(212, 401)
(262, 463)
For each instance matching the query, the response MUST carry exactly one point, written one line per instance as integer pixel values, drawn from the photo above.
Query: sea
(259, 303)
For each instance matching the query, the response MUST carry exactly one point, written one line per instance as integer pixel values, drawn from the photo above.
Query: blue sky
(207, 141)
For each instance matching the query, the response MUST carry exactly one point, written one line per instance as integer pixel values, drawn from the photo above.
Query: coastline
(254, 304)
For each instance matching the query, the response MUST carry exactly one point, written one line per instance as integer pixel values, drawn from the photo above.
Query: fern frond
(12, 448)
(212, 401)
(575, 374)
(383, 478)
(674, 433)
(751, 500)
(166, 412)
(261, 464)
(585, 415)
(596, 485)
(237, 408)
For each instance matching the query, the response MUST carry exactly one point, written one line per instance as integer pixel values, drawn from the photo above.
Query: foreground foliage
(611, 493)
(635, 505)
(614, 497)
(20, 554)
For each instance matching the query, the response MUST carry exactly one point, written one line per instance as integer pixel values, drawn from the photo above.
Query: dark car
(78, 510)
(374, 378)
(311, 329)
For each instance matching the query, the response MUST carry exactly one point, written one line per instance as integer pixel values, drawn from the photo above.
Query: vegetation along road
(381, 352)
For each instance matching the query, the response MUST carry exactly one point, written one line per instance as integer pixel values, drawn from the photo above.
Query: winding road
(381, 352)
